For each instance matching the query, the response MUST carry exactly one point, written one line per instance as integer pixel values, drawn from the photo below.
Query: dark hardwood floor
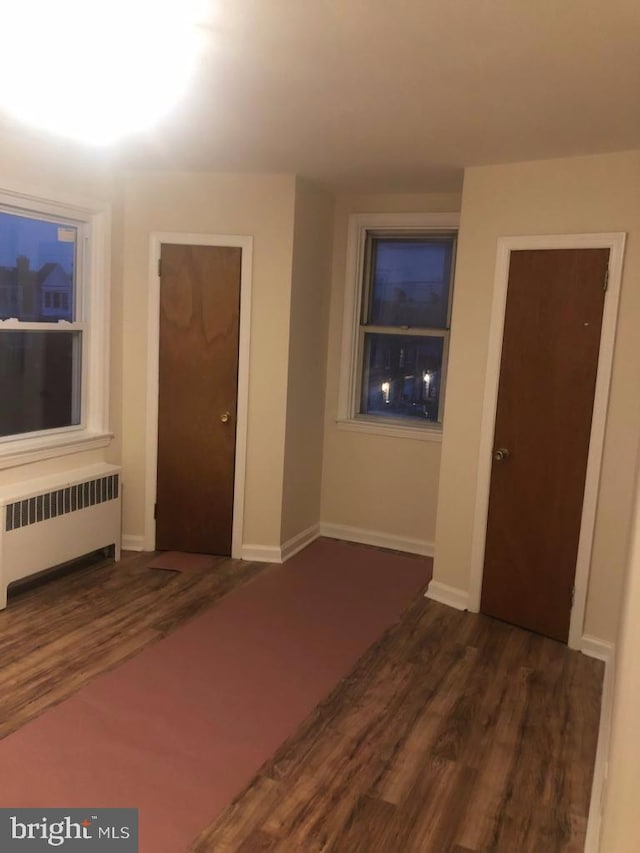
(455, 732)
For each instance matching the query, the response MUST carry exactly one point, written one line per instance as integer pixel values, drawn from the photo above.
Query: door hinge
(605, 285)
(159, 267)
(573, 595)
(155, 511)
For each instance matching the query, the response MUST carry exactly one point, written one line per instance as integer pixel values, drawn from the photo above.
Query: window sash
(414, 331)
(80, 325)
(81, 261)
(365, 296)
(393, 225)
(81, 372)
(366, 285)
(362, 375)
(58, 326)
(91, 222)
(73, 382)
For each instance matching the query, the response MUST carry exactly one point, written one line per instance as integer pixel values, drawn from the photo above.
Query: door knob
(501, 454)
(224, 417)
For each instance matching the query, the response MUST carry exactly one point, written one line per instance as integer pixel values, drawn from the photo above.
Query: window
(397, 320)
(53, 328)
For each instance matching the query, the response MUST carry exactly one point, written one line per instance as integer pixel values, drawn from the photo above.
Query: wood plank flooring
(57, 635)
(453, 733)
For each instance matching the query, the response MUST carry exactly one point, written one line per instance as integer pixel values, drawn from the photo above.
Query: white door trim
(153, 343)
(615, 243)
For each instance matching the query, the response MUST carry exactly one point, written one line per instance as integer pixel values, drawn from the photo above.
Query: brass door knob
(501, 454)
(225, 417)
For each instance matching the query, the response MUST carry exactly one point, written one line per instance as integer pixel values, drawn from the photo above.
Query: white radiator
(51, 520)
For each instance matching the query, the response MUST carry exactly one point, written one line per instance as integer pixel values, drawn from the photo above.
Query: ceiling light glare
(96, 70)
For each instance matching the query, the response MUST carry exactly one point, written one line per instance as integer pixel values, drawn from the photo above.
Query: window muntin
(42, 328)
(407, 288)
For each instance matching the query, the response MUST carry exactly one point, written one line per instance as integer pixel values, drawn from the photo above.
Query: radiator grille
(61, 501)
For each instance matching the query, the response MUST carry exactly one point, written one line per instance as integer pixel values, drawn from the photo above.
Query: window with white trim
(53, 326)
(397, 322)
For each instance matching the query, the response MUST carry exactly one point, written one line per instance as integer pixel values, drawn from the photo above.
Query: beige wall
(620, 824)
(51, 169)
(583, 194)
(48, 166)
(258, 205)
(371, 482)
(313, 234)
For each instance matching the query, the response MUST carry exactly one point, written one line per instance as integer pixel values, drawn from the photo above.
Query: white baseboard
(133, 543)
(298, 542)
(603, 651)
(452, 596)
(261, 554)
(595, 648)
(375, 537)
(275, 554)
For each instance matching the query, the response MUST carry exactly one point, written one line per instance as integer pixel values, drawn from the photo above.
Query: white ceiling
(398, 96)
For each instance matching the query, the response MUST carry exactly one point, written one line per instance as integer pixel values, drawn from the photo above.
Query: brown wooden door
(199, 325)
(555, 300)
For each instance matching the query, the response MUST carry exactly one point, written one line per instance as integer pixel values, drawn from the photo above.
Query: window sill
(393, 429)
(26, 450)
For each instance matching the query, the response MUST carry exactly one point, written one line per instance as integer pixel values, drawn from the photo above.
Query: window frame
(93, 221)
(351, 367)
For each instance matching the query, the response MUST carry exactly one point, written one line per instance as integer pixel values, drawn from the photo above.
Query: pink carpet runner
(181, 728)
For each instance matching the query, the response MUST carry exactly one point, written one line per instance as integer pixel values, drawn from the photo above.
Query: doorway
(197, 397)
(550, 348)
(520, 509)
(197, 393)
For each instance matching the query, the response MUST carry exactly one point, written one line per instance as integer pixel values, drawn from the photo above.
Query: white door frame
(615, 243)
(153, 352)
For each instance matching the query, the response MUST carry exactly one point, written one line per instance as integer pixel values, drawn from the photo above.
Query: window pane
(37, 261)
(39, 380)
(410, 282)
(402, 376)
